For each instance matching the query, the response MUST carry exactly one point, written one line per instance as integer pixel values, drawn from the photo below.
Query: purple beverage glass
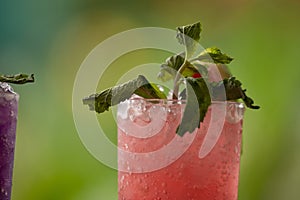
(8, 122)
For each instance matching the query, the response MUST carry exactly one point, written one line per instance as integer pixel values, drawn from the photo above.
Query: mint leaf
(150, 91)
(170, 68)
(17, 79)
(198, 101)
(112, 96)
(197, 95)
(214, 55)
(233, 90)
(189, 35)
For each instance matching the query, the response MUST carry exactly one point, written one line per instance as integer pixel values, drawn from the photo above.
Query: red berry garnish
(197, 75)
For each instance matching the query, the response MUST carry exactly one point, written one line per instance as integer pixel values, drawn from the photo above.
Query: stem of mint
(188, 36)
(176, 81)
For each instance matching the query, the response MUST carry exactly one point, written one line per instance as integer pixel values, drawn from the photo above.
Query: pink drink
(8, 122)
(176, 171)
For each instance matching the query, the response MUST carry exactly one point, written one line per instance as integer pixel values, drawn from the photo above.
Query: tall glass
(8, 122)
(157, 164)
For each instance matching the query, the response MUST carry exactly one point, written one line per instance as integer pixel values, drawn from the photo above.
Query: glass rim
(9, 94)
(183, 101)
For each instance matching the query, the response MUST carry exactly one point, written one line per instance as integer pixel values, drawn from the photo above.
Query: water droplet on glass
(126, 146)
(146, 187)
(195, 187)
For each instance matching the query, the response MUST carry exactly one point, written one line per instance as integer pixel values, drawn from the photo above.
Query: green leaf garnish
(197, 97)
(195, 76)
(189, 35)
(115, 95)
(214, 55)
(17, 79)
(150, 91)
(233, 90)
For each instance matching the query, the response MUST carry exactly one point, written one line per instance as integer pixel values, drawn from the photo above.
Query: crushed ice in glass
(5, 87)
(234, 113)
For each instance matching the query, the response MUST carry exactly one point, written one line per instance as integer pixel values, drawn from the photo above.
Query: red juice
(8, 121)
(156, 164)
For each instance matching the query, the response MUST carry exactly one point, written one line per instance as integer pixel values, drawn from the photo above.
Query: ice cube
(5, 87)
(235, 112)
(123, 109)
(6, 92)
(143, 119)
(138, 112)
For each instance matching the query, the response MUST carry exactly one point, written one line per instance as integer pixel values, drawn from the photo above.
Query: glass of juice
(8, 121)
(155, 163)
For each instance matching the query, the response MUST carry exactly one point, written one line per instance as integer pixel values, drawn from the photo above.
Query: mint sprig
(112, 96)
(17, 79)
(199, 91)
(189, 36)
(197, 94)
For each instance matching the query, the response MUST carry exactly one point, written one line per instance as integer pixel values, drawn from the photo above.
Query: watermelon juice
(156, 164)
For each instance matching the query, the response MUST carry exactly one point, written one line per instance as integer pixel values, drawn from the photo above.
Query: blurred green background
(52, 37)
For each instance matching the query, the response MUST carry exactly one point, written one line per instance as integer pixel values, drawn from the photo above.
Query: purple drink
(8, 121)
